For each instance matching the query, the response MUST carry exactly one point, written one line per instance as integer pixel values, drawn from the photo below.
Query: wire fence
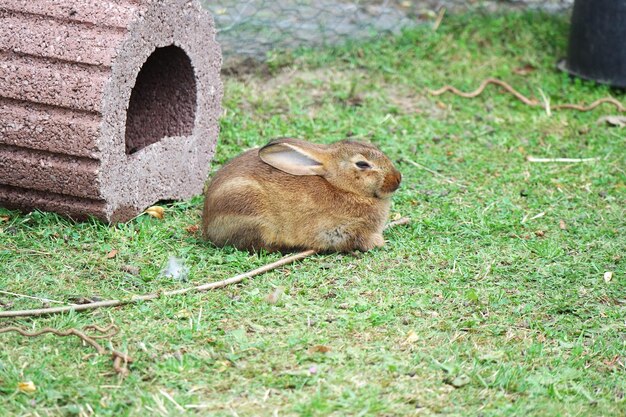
(251, 28)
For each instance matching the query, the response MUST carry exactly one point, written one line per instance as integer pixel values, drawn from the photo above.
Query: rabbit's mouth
(391, 184)
(383, 196)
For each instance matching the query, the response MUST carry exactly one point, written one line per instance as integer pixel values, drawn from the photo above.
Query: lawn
(505, 295)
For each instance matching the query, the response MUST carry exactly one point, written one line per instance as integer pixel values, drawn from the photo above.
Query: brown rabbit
(292, 194)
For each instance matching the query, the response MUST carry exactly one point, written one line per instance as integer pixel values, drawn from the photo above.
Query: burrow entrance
(163, 100)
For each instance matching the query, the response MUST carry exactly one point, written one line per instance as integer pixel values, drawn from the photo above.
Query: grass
(481, 306)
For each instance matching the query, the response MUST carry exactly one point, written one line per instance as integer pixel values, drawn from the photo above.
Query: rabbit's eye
(363, 165)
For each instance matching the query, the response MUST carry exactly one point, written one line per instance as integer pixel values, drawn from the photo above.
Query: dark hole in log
(163, 100)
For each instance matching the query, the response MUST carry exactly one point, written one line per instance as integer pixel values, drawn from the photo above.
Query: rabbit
(292, 194)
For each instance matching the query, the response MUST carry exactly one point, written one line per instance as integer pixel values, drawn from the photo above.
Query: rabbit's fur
(292, 194)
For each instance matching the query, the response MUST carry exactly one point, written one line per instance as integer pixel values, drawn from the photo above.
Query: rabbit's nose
(392, 182)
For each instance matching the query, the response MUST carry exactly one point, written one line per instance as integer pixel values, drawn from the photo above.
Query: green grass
(479, 307)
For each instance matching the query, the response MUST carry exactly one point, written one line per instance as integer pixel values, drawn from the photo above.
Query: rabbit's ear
(294, 158)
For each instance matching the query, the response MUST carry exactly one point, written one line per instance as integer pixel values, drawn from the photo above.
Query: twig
(171, 399)
(44, 300)
(200, 288)
(609, 100)
(107, 332)
(119, 359)
(425, 168)
(480, 89)
(440, 14)
(152, 296)
(536, 216)
(401, 221)
(528, 101)
(572, 160)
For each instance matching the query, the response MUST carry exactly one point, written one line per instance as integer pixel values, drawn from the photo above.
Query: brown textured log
(106, 106)
(49, 172)
(61, 84)
(75, 207)
(97, 12)
(64, 40)
(49, 128)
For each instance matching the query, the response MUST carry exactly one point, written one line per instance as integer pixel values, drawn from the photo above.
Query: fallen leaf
(112, 254)
(411, 337)
(193, 229)
(540, 233)
(274, 296)
(562, 224)
(26, 386)
(131, 269)
(611, 362)
(183, 314)
(619, 121)
(608, 276)
(524, 70)
(155, 211)
(459, 381)
(4, 218)
(319, 349)
(223, 365)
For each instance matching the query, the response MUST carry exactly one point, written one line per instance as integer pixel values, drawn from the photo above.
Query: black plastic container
(597, 42)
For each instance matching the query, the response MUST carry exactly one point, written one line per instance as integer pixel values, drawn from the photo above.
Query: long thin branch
(45, 300)
(528, 101)
(401, 221)
(571, 160)
(152, 296)
(479, 90)
(432, 171)
(608, 100)
(200, 288)
(119, 358)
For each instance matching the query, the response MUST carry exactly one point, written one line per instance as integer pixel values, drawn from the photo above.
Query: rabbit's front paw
(377, 240)
(373, 241)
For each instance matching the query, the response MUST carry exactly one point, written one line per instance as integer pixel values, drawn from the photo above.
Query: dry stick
(533, 159)
(171, 399)
(401, 221)
(608, 100)
(152, 296)
(524, 99)
(480, 89)
(107, 332)
(44, 300)
(425, 168)
(205, 287)
(439, 19)
(119, 358)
